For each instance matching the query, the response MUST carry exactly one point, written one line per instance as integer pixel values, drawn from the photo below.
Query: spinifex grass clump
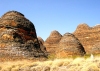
(64, 64)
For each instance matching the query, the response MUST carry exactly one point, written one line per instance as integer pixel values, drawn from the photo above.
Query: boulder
(52, 41)
(69, 45)
(18, 36)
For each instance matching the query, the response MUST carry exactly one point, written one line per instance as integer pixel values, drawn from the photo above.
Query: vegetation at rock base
(85, 63)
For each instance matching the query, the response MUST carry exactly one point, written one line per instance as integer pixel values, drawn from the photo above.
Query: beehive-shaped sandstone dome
(70, 45)
(88, 36)
(52, 41)
(18, 36)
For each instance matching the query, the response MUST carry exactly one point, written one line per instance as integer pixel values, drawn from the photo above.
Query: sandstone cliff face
(88, 36)
(52, 41)
(18, 36)
(69, 45)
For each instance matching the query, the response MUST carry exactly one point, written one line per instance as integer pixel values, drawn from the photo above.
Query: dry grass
(65, 64)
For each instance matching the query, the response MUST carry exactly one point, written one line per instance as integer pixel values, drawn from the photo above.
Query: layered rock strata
(52, 41)
(69, 45)
(18, 36)
(88, 36)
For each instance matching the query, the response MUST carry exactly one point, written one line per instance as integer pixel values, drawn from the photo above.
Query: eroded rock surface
(18, 36)
(70, 45)
(52, 41)
(88, 36)
(43, 48)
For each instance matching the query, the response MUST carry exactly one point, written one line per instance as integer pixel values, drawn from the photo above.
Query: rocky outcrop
(18, 36)
(88, 36)
(69, 45)
(52, 41)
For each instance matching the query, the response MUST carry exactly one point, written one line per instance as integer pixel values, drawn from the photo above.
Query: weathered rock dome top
(85, 27)
(82, 27)
(68, 34)
(54, 37)
(68, 37)
(55, 33)
(16, 19)
(71, 45)
(13, 13)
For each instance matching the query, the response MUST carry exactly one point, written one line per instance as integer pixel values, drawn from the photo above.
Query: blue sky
(61, 15)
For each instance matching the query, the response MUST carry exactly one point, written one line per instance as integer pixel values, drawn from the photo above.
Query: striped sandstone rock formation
(52, 41)
(88, 36)
(18, 36)
(69, 45)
